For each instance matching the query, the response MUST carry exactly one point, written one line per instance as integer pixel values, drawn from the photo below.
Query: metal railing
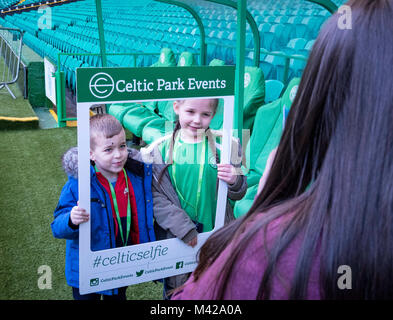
(10, 54)
(286, 57)
(61, 79)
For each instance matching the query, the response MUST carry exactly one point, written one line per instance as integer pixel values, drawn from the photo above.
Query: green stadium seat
(270, 65)
(119, 110)
(155, 129)
(273, 90)
(186, 59)
(136, 118)
(297, 66)
(307, 48)
(166, 59)
(294, 45)
(264, 27)
(266, 136)
(217, 63)
(254, 94)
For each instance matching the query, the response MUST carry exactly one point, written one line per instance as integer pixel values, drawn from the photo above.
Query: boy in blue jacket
(121, 200)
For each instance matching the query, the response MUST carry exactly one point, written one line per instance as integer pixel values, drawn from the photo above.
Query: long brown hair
(332, 176)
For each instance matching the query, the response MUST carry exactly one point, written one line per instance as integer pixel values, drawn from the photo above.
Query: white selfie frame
(118, 267)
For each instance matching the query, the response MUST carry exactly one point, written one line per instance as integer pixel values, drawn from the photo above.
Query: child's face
(195, 115)
(109, 154)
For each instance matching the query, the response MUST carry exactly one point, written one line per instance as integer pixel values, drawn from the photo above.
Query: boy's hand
(193, 242)
(78, 215)
(226, 172)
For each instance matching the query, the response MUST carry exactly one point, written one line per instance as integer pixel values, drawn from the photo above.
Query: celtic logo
(101, 85)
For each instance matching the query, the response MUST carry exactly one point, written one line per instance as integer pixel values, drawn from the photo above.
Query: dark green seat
(167, 59)
(186, 59)
(266, 136)
(119, 110)
(156, 128)
(134, 116)
(254, 97)
(165, 108)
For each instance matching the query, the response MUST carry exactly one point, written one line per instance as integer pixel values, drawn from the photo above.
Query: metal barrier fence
(10, 54)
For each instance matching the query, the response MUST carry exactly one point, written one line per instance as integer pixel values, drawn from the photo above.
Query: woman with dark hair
(327, 205)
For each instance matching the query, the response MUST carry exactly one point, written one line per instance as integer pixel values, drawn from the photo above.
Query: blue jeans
(96, 296)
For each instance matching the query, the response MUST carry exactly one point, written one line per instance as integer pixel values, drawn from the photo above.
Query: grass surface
(31, 181)
(15, 108)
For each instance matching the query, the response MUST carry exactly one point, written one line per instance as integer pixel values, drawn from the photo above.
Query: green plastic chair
(166, 59)
(254, 97)
(186, 59)
(135, 116)
(254, 94)
(165, 108)
(268, 126)
(156, 128)
(216, 63)
(273, 90)
(119, 110)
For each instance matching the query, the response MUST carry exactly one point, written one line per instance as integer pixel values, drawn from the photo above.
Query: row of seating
(150, 120)
(145, 16)
(80, 35)
(272, 31)
(4, 4)
(264, 107)
(71, 39)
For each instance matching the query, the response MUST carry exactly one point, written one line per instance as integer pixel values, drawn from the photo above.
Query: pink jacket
(248, 271)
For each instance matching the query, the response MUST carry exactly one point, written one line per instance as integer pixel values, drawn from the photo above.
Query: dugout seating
(266, 136)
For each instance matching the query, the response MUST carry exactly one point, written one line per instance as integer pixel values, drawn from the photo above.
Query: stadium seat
(217, 63)
(254, 95)
(294, 45)
(307, 48)
(186, 58)
(269, 124)
(166, 59)
(291, 25)
(273, 65)
(135, 116)
(297, 66)
(155, 129)
(273, 90)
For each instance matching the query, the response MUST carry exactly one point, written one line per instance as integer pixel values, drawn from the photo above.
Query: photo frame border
(94, 276)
